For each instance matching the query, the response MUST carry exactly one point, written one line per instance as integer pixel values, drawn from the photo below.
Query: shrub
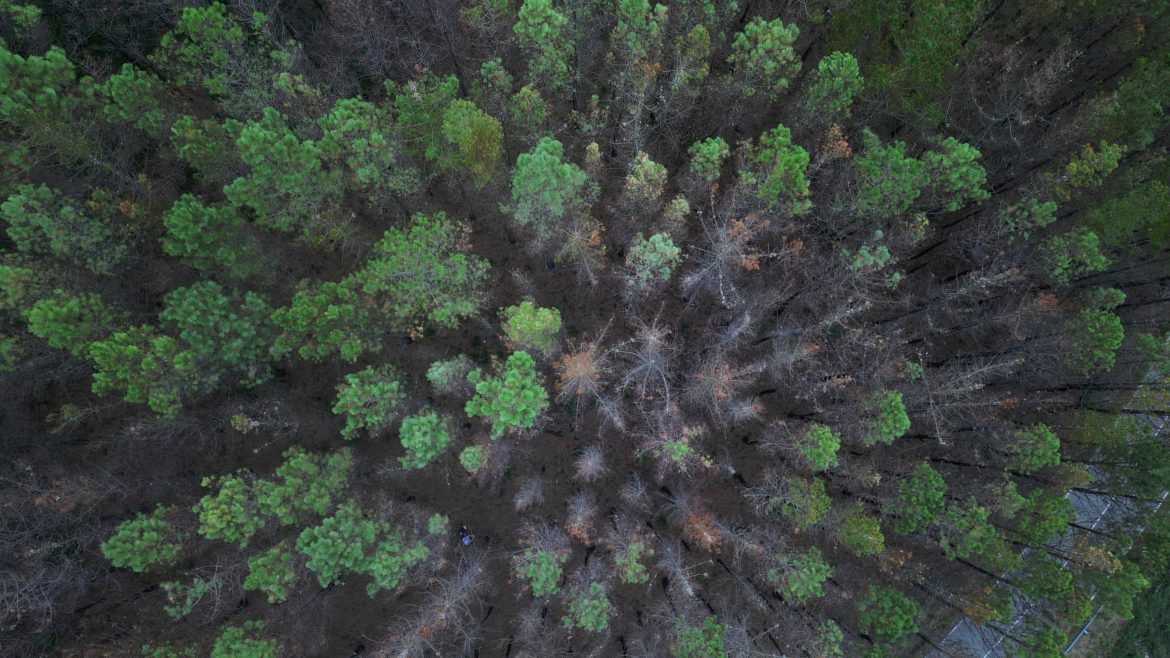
(540, 569)
(243, 641)
(589, 610)
(449, 375)
(861, 534)
(511, 401)
(705, 641)
(528, 326)
(473, 458)
(424, 436)
(631, 571)
(369, 400)
(144, 542)
(437, 524)
(271, 572)
(181, 599)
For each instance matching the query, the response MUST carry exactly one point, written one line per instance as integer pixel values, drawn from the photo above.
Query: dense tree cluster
(598, 327)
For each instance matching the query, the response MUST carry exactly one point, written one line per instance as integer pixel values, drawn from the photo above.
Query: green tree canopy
(887, 418)
(71, 322)
(775, 169)
(424, 276)
(475, 139)
(136, 97)
(707, 158)
(703, 641)
(887, 614)
(326, 318)
(530, 327)
(369, 399)
(43, 221)
(541, 569)
(226, 332)
(359, 137)
(888, 181)
(244, 641)
(543, 33)
(545, 189)
(818, 446)
(920, 499)
(511, 400)
(352, 541)
(288, 186)
(762, 54)
(420, 107)
(956, 174)
(424, 436)
(1034, 448)
(836, 81)
(209, 238)
(151, 368)
(1094, 337)
(802, 578)
(144, 542)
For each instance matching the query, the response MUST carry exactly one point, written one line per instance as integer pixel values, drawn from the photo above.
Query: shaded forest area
(579, 327)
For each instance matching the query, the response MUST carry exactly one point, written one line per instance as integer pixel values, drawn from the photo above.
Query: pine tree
(542, 31)
(288, 185)
(545, 189)
(763, 57)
